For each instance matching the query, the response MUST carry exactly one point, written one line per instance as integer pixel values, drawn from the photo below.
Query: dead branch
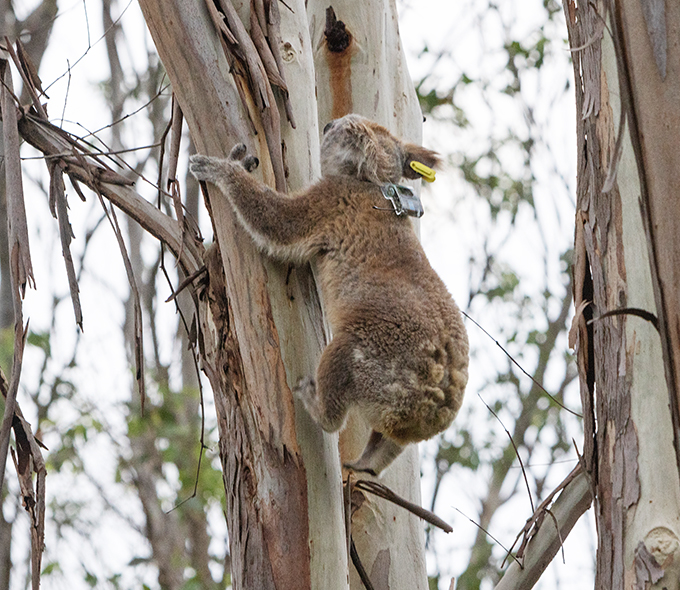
(59, 209)
(543, 542)
(138, 328)
(26, 77)
(16, 210)
(386, 493)
(28, 460)
(21, 270)
(363, 574)
(534, 522)
(55, 143)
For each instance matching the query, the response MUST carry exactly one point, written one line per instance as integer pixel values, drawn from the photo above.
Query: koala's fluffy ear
(420, 154)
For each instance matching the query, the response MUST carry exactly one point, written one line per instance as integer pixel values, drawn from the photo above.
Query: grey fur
(399, 350)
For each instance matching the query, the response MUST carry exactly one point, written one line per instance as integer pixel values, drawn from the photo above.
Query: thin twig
(186, 282)
(365, 580)
(138, 341)
(488, 534)
(534, 522)
(347, 502)
(543, 389)
(386, 493)
(636, 311)
(26, 79)
(514, 446)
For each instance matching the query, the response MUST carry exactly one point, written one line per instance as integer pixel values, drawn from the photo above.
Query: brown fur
(399, 351)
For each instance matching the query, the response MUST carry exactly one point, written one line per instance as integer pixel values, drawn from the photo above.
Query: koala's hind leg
(328, 398)
(380, 451)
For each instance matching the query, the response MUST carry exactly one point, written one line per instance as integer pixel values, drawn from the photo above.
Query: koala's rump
(409, 351)
(409, 374)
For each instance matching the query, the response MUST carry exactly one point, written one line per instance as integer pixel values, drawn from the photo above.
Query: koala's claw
(203, 167)
(238, 151)
(238, 154)
(250, 163)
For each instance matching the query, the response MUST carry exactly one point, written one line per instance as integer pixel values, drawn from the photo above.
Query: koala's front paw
(206, 168)
(212, 170)
(239, 154)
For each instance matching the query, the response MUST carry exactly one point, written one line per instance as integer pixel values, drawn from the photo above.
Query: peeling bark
(274, 459)
(624, 258)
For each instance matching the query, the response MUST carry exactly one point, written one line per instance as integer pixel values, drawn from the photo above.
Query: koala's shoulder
(347, 194)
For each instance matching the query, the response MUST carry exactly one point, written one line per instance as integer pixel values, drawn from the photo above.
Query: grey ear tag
(403, 199)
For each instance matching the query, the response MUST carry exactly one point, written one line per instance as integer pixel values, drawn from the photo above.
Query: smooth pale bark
(630, 450)
(654, 520)
(371, 78)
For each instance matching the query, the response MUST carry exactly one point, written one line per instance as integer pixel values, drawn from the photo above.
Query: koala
(399, 349)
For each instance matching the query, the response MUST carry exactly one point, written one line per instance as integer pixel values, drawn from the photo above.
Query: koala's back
(410, 350)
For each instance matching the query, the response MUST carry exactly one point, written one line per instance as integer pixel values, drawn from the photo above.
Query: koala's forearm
(283, 227)
(290, 229)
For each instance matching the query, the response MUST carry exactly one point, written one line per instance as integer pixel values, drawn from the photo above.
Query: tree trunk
(367, 74)
(627, 255)
(270, 515)
(282, 473)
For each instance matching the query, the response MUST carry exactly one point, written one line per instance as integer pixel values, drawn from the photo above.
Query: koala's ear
(420, 154)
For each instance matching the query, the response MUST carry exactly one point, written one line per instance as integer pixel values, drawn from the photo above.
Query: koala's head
(355, 146)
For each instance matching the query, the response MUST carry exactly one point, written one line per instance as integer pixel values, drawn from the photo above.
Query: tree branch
(574, 500)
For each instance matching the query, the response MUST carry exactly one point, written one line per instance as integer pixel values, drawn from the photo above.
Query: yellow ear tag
(425, 171)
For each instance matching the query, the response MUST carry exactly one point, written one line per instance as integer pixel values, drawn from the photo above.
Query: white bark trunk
(373, 80)
(626, 257)
(654, 519)
(300, 330)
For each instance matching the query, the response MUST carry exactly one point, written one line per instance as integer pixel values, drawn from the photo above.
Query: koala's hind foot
(211, 169)
(328, 398)
(305, 391)
(378, 454)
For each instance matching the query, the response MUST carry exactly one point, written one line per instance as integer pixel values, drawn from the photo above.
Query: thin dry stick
(347, 505)
(534, 522)
(25, 76)
(514, 446)
(543, 389)
(59, 209)
(488, 534)
(186, 282)
(363, 575)
(192, 338)
(386, 493)
(175, 141)
(29, 460)
(137, 306)
(29, 67)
